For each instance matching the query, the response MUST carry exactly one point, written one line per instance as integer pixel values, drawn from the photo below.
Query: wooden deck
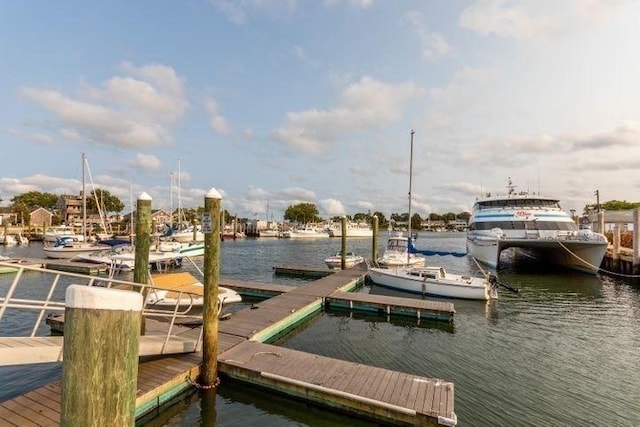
(302, 271)
(375, 393)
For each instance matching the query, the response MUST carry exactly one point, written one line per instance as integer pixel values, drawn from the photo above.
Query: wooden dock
(302, 271)
(244, 354)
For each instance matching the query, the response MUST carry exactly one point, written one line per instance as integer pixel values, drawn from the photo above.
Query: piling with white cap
(210, 311)
(100, 356)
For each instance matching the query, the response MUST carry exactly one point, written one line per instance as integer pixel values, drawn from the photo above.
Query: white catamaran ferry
(533, 224)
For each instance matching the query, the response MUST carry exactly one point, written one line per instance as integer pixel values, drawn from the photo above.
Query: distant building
(40, 217)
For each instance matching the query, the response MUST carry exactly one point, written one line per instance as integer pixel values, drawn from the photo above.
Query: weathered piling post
(142, 245)
(601, 222)
(143, 239)
(374, 244)
(100, 356)
(636, 241)
(211, 228)
(195, 229)
(615, 254)
(343, 246)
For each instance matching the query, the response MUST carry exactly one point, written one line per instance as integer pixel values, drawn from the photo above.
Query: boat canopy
(428, 252)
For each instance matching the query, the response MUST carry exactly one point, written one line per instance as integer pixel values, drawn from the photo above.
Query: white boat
(306, 232)
(431, 280)
(269, 233)
(532, 224)
(53, 233)
(350, 260)
(167, 293)
(396, 253)
(122, 258)
(354, 229)
(434, 281)
(13, 239)
(187, 235)
(69, 248)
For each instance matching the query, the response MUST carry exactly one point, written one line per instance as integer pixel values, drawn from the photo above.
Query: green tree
(302, 212)
(35, 199)
(464, 215)
(382, 220)
(435, 217)
(617, 205)
(416, 222)
(108, 202)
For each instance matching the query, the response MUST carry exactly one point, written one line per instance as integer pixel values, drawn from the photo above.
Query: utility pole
(597, 194)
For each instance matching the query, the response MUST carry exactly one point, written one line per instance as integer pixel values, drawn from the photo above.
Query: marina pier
(244, 354)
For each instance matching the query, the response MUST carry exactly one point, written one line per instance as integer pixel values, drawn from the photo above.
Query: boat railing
(34, 294)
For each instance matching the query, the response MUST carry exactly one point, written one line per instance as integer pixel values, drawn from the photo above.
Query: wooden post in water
(211, 229)
(142, 245)
(636, 241)
(601, 222)
(143, 239)
(374, 245)
(100, 356)
(615, 255)
(343, 246)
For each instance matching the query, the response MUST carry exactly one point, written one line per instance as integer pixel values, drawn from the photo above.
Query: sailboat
(69, 246)
(431, 280)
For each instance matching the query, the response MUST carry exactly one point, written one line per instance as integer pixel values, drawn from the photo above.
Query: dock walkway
(376, 393)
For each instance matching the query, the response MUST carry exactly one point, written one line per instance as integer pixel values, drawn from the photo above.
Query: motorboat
(306, 232)
(186, 234)
(354, 229)
(350, 259)
(434, 281)
(269, 233)
(122, 258)
(534, 225)
(183, 292)
(69, 248)
(396, 253)
(53, 233)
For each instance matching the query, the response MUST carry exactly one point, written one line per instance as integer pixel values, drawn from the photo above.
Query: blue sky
(277, 102)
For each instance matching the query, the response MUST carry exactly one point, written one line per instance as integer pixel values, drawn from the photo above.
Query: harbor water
(565, 351)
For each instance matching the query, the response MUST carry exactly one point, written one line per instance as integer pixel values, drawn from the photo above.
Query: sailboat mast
(410, 182)
(84, 202)
(179, 199)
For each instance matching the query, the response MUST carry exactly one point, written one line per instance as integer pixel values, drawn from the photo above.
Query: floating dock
(379, 394)
(302, 271)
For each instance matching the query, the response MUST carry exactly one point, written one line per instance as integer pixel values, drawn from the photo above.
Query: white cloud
(366, 105)
(218, 123)
(237, 11)
(125, 112)
(332, 207)
(146, 162)
(534, 19)
(433, 44)
(297, 194)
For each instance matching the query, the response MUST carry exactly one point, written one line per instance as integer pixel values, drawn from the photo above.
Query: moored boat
(350, 259)
(532, 224)
(434, 281)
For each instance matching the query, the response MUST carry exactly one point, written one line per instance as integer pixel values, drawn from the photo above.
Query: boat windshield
(521, 203)
(525, 225)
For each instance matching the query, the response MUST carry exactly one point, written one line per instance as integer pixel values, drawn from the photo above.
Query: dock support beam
(211, 228)
(636, 241)
(615, 255)
(374, 244)
(142, 245)
(343, 241)
(100, 356)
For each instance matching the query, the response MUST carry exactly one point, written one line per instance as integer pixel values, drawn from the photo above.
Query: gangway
(28, 298)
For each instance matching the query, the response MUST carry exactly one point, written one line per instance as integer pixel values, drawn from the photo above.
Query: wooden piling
(100, 356)
(143, 239)
(615, 255)
(636, 241)
(343, 246)
(374, 246)
(211, 228)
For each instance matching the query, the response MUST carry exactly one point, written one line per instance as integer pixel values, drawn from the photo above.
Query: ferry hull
(585, 256)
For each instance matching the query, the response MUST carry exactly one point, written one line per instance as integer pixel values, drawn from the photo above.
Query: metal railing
(46, 296)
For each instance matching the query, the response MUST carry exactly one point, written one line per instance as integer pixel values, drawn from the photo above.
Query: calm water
(563, 352)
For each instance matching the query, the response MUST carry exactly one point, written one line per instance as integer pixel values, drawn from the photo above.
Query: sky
(279, 102)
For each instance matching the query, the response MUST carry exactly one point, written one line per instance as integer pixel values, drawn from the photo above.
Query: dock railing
(41, 292)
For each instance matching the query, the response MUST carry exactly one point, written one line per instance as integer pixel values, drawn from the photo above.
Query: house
(70, 208)
(40, 217)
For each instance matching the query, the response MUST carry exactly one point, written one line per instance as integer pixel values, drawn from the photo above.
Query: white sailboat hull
(449, 286)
